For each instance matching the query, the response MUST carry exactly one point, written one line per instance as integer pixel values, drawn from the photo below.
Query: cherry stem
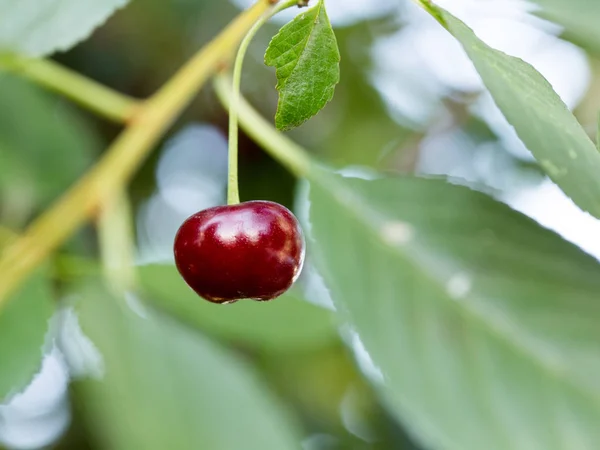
(233, 191)
(284, 150)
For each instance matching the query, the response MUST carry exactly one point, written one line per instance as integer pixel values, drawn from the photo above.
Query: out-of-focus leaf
(579, 17)
(542, 121)
(44, 147)
(364, 132)
(482, 326)
(24, 322)
(306, 57)
(284, 324)
(35, 28)
(165, 386)
(318, 381)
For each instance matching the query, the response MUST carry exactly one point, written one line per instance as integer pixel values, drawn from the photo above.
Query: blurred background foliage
(408, 102)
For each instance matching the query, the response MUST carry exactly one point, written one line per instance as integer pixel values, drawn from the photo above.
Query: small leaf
(306, 56)
(482, 326)
(540, 118)
(24, 323)
(39, 28)
(285, 324)
(166, 387)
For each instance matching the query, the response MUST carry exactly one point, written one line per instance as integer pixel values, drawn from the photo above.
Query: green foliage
(23, 327)
(541, 119)
(44, 146)
(165, 386)
(365, 133)
(483, 324)
(598, 134)
(285, 324)
(41, 28)
(306, 56)
(578, 17)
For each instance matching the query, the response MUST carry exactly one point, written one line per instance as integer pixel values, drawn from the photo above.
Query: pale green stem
(80, 89)
(115, 231)
(284, 150)
(233, 192)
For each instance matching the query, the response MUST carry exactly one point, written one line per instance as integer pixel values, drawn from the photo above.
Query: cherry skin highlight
(249, 250)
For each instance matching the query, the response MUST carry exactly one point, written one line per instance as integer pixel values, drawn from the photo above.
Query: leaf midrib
(304, 42)
(357, 207)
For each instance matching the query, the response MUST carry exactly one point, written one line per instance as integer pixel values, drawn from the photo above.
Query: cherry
(249, 250)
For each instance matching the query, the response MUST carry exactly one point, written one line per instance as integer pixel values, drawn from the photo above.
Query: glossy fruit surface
(249, 250)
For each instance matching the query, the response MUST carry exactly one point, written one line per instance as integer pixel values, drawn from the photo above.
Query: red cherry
(249, 250)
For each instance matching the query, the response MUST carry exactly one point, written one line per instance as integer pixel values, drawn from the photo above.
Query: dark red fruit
(250, 250)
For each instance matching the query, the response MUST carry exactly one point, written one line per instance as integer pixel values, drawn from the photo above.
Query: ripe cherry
(249, 250)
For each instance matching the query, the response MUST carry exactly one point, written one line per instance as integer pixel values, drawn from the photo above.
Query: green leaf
(23, 326)
(165, 386)
(34, 28)
(363, 122)
(578, 17)
(285, 324)
(540, 118)
(306, 56)
(484, 325)
(598, 133)
(44, 146)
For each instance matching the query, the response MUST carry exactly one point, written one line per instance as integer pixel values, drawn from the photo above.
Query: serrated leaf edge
(497, 327)
(281, 84)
